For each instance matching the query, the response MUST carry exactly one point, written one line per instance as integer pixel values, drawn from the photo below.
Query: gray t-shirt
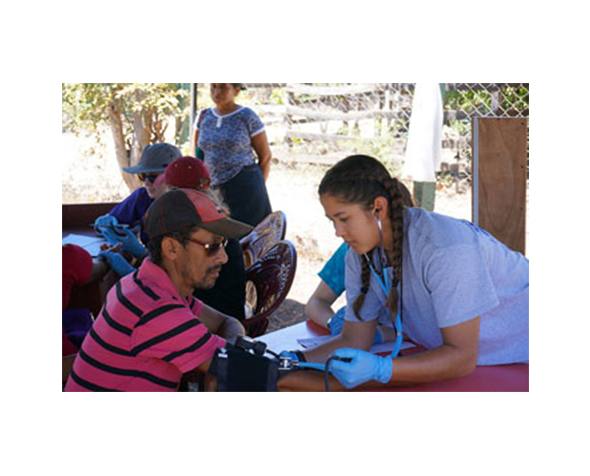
(453, 272)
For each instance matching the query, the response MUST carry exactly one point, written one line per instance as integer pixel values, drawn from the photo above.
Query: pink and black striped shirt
(145, 338)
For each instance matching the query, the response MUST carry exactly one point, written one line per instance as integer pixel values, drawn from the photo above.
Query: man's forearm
(353, 335)
(231, 329)
(323, 351)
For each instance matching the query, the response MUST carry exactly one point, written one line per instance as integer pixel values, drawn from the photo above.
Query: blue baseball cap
(155, 159)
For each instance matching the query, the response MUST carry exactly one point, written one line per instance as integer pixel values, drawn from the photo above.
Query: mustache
(214, 269)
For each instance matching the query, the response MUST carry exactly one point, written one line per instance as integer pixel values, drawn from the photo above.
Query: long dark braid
(361, 179)
(365, 282)
(396, 215)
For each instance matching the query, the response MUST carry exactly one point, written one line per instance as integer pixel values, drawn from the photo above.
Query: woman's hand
(360, 367)
(262, 149)
(116, 261)
(128, 239)
(106, 221)
(357, 335)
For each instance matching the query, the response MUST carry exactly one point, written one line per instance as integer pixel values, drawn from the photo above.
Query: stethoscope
(383, 280)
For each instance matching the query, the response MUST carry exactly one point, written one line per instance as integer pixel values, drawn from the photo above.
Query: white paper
(91, 244)
(311, 342)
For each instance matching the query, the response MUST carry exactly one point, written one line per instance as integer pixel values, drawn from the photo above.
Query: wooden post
(290, 99)
(500, 178)
(194, 91)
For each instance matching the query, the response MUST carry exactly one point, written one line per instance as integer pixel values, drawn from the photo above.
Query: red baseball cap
(181, 209)
(188, 172)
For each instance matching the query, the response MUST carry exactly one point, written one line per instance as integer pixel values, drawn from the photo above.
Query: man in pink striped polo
(151, 329)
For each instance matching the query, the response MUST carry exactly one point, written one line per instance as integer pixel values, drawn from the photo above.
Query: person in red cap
(229, 293)
(151, 329)
(187, 172)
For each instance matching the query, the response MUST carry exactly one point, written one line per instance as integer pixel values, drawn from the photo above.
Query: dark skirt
(246, 196)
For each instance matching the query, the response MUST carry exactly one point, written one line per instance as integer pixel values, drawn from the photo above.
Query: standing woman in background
(232, 137)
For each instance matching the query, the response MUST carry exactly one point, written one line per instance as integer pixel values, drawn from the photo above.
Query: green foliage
(278, 96)
(463, 127)
(512, 98)
(381, 148)
(86, 106)
(515, 98)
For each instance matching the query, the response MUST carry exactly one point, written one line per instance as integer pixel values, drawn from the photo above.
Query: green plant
(138, 115)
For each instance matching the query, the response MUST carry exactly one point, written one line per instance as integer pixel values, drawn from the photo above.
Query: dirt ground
(90, 174)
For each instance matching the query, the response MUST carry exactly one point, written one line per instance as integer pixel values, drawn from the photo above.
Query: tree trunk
(121, 151)
(142, 125)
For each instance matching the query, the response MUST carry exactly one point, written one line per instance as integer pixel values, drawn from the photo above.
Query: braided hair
(360, 179)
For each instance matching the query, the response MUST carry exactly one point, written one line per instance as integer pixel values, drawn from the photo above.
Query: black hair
(154, 246)
(360, 179)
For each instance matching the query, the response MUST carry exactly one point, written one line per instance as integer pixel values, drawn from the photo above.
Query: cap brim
(138, 169)
(227, 228)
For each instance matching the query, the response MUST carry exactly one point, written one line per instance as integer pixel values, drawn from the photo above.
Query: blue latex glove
(117, 262)
(337, 323)
(288, 353)
(127, 238)
(363, 367)
(105, 221)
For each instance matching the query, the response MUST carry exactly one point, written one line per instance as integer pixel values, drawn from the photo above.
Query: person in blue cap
(150, 169)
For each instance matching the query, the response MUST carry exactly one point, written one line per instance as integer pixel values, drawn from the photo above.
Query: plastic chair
(268, 281)
(265, 235)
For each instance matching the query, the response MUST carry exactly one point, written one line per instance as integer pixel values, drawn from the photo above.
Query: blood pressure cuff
(238, 370)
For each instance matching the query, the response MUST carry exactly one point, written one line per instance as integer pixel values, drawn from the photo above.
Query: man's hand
(231, 329)
(221, 324)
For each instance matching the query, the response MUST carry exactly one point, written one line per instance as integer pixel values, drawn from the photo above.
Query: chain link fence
(320, 123)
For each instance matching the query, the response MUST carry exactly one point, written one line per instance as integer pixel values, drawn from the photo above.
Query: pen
(111, 227)
(117, 229)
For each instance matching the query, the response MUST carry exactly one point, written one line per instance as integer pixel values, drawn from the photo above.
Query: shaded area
(289, 313)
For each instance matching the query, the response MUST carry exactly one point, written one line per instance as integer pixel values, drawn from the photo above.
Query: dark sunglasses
(210, 248)
(148, 177)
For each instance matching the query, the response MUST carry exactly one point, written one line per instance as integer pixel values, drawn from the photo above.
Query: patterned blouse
(227, 141)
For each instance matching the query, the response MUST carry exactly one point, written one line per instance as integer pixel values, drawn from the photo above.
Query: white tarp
(424, 148)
